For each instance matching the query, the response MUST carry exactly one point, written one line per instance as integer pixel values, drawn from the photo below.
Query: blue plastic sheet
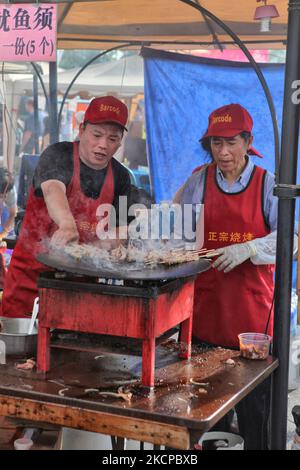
(180, 93)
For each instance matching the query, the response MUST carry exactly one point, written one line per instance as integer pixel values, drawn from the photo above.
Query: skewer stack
(150, 258)
(178, 256)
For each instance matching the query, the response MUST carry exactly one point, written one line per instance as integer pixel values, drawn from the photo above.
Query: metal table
(174, 414)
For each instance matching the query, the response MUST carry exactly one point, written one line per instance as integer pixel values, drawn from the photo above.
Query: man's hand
(3, 234)
(113, 239)
(233, 255)
(67, 233)
(108, 244)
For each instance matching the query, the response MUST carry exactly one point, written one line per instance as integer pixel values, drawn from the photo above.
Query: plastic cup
(254, 345)
(23, 444)
(221, 441)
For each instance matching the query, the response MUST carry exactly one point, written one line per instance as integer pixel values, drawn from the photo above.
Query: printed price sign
(28, 32)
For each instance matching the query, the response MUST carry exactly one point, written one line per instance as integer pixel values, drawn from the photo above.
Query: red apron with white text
(20, 286)
(226, 304)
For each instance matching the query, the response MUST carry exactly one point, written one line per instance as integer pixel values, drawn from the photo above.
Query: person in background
(71, 181)
(240, 222)
(46, 133)
(28, 139)
(8, 200)
(79, 116)
(1, 138)
(8, 211)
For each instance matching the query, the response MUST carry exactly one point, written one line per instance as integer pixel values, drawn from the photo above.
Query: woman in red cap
(71, 181)
(240, 220)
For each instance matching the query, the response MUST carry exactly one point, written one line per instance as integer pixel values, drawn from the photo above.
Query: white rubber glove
(266, 249)
(233, 255)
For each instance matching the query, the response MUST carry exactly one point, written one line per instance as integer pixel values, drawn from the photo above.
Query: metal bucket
(15, 337)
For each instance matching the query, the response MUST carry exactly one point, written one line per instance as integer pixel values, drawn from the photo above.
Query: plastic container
(221, 441)
(294, 312)
(295, 443)
(23, 444)
(254, 345)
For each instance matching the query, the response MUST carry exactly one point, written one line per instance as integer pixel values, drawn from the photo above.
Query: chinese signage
(28, 32)
(231, 237)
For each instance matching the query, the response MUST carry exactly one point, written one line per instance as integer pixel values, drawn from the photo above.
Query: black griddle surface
(63, 262)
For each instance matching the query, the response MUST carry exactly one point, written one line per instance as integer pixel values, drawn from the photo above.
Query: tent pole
(38, 72)
(53, 102)
(36, 114)
(286, 219)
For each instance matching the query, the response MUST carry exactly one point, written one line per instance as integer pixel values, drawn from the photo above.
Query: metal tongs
(35, 312)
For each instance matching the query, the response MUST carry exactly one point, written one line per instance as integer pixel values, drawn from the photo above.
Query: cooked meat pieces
(86, 251)
(131, 254)
(119, 253)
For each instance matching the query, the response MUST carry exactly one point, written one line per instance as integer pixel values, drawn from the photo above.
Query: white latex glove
(233, 255)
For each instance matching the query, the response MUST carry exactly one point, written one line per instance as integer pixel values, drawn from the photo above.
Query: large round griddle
(123, 270)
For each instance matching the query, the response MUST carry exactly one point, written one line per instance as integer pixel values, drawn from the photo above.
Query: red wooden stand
(107, 310)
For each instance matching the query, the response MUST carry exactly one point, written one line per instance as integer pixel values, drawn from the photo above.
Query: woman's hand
(233, 255)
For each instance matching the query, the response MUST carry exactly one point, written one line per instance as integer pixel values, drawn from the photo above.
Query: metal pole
(36, 114)
(53, 102)
(38, 73)
(170, 42)
(286, 219)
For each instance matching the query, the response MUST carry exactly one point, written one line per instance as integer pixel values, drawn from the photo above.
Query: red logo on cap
(113, 109)
(223, 118)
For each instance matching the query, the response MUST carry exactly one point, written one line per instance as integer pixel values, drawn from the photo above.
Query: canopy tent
(172, 24)
(99, 24)
(81, 25)
(16, 68)
(123, 76)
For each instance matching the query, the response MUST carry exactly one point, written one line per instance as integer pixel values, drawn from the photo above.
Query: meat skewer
(131, 254)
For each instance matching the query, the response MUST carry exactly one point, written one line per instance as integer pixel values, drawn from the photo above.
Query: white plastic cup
(222, 441)
(23, 444)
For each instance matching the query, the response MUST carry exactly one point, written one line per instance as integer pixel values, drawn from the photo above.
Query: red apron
(226, 304)
(20, 286)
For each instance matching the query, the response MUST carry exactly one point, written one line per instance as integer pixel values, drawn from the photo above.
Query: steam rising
(137, 255)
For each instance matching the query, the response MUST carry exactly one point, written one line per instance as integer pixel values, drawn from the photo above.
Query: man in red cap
(240, 221)
(71, 181)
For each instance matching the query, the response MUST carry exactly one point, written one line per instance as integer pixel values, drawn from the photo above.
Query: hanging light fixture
(265, 14)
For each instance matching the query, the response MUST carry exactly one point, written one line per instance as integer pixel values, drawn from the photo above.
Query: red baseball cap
(228, 121)
(106, 109)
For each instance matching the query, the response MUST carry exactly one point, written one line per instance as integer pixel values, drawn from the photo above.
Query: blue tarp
(180, 93)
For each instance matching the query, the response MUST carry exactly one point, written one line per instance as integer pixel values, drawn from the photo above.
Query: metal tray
(63, 262)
